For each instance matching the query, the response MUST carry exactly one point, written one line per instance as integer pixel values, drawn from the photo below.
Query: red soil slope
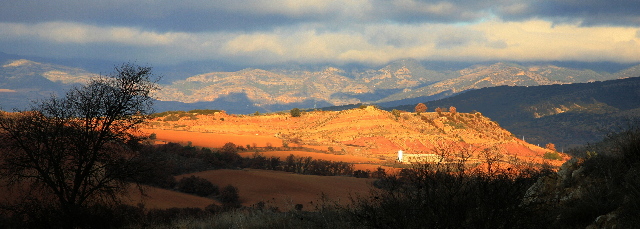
(214, 140)
(368, 132)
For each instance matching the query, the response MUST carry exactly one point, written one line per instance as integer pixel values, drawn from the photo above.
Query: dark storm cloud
(154, 15)
(198, 16)
(417, 11)
(586, 12)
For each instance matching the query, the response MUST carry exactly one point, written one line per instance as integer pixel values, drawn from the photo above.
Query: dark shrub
(229, 197)
(361, 174)
(197, 185)
(295, 112)
(437, 196)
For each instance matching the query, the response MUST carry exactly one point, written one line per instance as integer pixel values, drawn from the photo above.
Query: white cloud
(542, 40)
(311, 43)
(65, 32)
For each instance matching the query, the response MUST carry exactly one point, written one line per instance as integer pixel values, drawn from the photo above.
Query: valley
(317, 158)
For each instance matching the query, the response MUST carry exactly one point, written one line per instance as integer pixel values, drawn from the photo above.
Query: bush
(197, 185)
(552, 156)
(420, 108)
(295, 112)
(229, 197)
(360, 174)
(396, 113)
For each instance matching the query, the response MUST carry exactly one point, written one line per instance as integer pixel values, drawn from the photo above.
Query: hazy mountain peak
(629, 72)
(18, 63)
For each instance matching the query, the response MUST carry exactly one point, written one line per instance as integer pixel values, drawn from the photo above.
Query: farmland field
(284, 190)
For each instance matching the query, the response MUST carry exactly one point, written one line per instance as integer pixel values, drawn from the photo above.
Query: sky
(270, 32)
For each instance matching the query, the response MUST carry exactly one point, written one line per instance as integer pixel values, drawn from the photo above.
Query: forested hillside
(566, 115)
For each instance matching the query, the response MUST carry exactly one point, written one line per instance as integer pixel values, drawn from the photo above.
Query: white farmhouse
(417, 158)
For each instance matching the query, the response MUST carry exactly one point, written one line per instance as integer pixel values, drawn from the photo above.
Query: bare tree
(551, 147)
(492, 157)
(420, 108)
(445, 150)
(452, 110)
(79, 150)
(439, 111)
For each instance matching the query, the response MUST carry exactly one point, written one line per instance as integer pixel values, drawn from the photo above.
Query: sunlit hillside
(366, 131)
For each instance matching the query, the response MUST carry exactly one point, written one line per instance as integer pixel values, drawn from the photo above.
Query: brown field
(284, 190)
(153, 198)
(163, 199)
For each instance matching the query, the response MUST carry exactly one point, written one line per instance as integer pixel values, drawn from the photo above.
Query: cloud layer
(256, 32)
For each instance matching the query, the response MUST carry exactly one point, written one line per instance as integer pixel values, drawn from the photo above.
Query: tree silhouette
(229, 197)
(80, 149)
(492, 156)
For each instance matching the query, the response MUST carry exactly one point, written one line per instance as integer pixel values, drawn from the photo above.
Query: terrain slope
(365, 132)
(568, 115)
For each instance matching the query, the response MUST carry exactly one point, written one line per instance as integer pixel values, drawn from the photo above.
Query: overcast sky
(252, 32)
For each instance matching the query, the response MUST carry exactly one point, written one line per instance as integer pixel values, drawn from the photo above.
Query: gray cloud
(250, 15)
(587, 13)
(322, 31)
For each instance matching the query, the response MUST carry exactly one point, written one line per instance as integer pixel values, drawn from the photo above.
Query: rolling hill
(367, 131)
(566, 115)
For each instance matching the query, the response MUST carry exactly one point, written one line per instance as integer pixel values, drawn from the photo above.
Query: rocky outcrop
(559, 194)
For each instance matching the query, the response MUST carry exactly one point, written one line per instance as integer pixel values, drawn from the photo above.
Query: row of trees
(421, 108)
(441, 195)
(163, 162)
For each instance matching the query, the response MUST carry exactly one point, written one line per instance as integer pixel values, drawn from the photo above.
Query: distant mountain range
(567, 106)
(282, 88)
(400, 82)
(23, 81)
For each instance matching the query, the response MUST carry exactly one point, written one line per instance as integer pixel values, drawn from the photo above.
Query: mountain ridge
(397, 83)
